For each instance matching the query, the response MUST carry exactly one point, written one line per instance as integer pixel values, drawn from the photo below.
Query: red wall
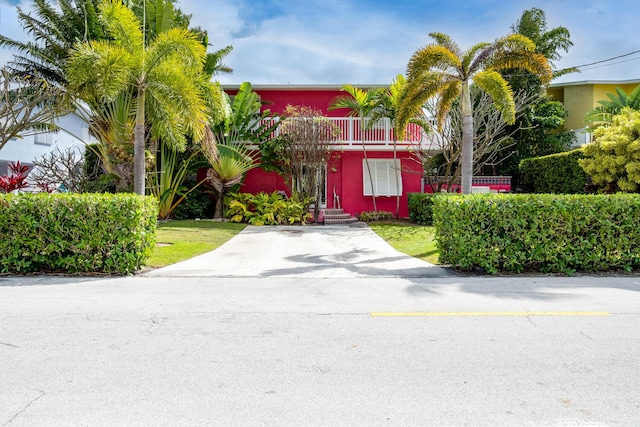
(258, 180)
(278, 99)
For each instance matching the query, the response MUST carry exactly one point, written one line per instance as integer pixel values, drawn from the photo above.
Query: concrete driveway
(315, 252)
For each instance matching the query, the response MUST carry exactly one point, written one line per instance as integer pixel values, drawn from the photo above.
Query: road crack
(34, 400)
(9, 345)
(585, 335)
(154, 324)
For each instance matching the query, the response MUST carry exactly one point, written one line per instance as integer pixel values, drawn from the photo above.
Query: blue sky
(366, 41)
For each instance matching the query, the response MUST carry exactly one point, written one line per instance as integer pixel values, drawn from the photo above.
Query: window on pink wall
(384, 173)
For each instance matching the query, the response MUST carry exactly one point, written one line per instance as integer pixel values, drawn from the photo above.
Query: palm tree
(441, 69)
(171, 90)
(360, 103)
(387, 104)
(162, 15)
(112, 123)
(232, 162)
(55, 27)
(533, 24)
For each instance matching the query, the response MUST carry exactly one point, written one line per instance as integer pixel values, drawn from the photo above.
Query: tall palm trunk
(467, 140)
(139, 148)
(366, 162)
(395, 162)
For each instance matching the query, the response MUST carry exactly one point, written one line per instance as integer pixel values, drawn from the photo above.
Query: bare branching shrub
(59, 169)
(27, 106)
(491, 144)
(309, 138)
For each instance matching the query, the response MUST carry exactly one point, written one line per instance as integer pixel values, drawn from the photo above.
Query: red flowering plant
(17, 180)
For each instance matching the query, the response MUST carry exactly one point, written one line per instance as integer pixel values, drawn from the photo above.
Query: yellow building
(581, 97)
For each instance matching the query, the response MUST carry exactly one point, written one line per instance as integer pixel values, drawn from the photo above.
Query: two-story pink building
(347, 185)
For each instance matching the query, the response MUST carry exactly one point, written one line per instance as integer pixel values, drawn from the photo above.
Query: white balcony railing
(380, 136)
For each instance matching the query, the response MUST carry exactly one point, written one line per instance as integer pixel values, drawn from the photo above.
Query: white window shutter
(383, 173)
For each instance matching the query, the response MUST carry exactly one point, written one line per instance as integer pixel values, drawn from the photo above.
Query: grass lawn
(411, 239)
(180, 240)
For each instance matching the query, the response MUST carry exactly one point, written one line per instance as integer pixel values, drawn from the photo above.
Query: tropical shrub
(556, 173)
(75, 233)
(167, 184)
(17, 180)
(268, 209)
(540, 232)
(197, 204)
(368, 216)
(613, 159)
(421, 207)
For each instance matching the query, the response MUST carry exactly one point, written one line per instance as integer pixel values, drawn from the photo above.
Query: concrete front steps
(337, 216)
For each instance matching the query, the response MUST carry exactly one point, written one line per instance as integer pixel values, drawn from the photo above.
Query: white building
(73, 133)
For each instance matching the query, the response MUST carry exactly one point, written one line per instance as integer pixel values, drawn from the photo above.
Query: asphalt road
(285, 350)
(292, 351)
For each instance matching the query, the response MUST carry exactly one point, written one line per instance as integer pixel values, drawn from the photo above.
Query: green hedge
(76, 233)
(421, 207)
(557, 173)
(548, 233)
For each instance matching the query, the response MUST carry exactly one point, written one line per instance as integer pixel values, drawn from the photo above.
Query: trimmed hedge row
(557, 173)
(369, 216)
(543, 232)
(76, 233)
(421, 207)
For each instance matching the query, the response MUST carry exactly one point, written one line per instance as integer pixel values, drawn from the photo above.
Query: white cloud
(367, 41)
(9, 26)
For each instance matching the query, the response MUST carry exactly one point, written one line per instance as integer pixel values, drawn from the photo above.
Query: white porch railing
(381, 135)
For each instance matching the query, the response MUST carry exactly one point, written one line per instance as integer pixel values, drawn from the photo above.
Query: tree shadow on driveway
(357, 264)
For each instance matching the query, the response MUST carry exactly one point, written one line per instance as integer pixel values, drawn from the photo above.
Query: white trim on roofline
(597, 82)
(299, 86)
(331, 86)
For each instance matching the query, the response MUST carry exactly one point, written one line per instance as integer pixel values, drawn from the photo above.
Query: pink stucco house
(347, 186)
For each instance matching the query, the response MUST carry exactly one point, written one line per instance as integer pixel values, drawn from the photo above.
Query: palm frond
(498, 89)
(564, 72)
(176, 45)
(470, 55)
(433, 57)
(359, 102)
(116, 67)
(214, 65)
(122, 25)
(416, 93)
(448, 94)
(446, 41)
(532, 62)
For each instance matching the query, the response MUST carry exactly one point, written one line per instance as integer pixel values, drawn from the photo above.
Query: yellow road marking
(488, 313)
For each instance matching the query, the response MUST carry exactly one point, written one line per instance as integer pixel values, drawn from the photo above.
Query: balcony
(380, 137)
